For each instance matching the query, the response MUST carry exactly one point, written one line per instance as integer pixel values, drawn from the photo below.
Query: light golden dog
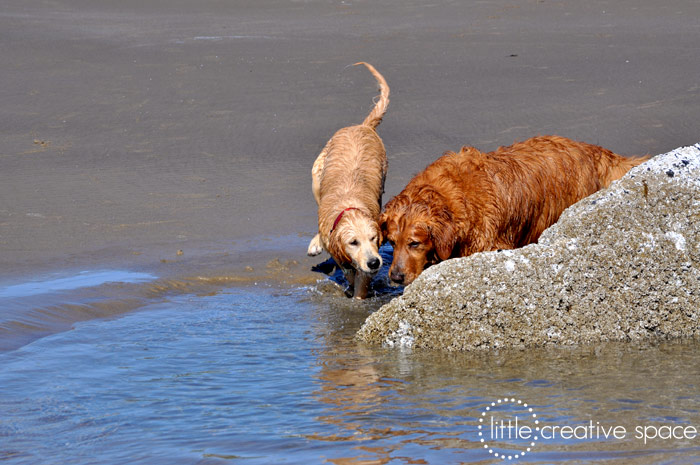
(471, 201)
(348, 183)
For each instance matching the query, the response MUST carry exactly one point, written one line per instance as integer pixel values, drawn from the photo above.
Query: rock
(622, 264)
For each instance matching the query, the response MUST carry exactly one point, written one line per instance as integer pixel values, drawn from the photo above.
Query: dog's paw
(315, 246)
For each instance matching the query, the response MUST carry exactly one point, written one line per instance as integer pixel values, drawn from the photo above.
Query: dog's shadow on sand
(380, 285)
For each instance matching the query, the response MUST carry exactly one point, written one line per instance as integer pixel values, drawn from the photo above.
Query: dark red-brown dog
(470, 201)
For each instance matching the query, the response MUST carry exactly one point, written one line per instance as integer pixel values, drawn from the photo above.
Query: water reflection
(263, 375)
(389, 402)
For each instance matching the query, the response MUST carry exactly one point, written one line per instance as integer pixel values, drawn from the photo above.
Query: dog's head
(421, 232)
(355, 241)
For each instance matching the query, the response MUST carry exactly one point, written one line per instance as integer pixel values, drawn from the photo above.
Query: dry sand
(132, 130)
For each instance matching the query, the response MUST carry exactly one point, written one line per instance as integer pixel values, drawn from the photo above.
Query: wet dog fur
(348, 183)
(471, 201)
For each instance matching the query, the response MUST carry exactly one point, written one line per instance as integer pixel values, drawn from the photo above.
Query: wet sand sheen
(41, 307)
(175, 140)
(133, 130)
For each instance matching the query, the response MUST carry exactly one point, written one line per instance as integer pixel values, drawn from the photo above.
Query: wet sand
(132, 131)
(174, 139)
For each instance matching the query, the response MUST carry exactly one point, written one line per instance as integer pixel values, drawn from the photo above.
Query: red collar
(337, 218)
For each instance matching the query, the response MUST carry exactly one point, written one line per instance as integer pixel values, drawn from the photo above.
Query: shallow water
(262, 375)
(69, 283)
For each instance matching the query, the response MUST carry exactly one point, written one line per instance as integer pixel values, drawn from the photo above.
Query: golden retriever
(348, 183)
(471, 201)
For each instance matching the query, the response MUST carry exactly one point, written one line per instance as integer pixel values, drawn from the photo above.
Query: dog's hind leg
(315, 246)
(317, 173)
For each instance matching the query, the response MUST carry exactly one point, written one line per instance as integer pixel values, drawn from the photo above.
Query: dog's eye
(354, 242)
(374, 239)
(413, 244)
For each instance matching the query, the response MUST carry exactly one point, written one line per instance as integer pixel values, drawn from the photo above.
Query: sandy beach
(155, 155)
(179, 136)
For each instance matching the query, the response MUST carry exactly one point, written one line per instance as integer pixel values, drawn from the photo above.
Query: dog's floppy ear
(443, 234)
(392, 212)
(382, 226)
(337, 251)
(380, 236)
(444, 241)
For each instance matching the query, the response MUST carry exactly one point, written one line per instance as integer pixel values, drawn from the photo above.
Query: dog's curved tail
(375, 116)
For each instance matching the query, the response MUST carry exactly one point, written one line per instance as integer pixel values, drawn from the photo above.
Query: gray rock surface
(622, 264)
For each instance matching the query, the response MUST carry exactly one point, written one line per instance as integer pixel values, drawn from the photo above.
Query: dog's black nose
(373, 263)
(397, 277)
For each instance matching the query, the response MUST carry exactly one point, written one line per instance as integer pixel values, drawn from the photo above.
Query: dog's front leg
(350, 274)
